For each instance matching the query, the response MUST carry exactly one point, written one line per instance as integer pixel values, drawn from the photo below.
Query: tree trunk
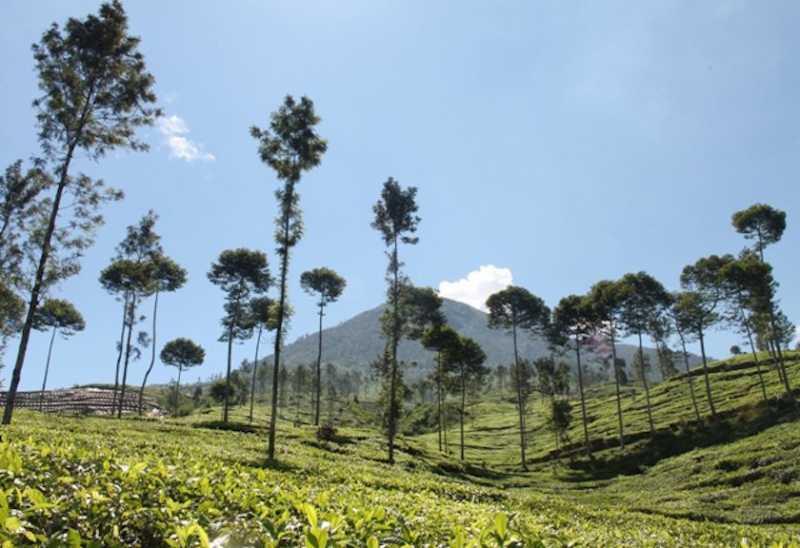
(38, 281)
(781, 365)
(284, 253)
(318, 371)
(520, 399)
(178, 391)
(689, 376)
(47, 368)
(120, 352)
(583, 400)
(755, 356)
(225, 403)
(439, 395)
(131, 321)
(392, 425)
(705, 374)
(646, 387)
(463, 406)
(152, 355)
(255, 369)
(617, 386)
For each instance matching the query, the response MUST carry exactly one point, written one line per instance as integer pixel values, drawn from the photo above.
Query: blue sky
(565, 142)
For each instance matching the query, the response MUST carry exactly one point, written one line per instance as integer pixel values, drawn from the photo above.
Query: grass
(192, 481)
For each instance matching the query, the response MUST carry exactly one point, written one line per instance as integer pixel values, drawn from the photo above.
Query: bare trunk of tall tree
(463, 406)
(318, 371)
(646, 387)
(705, 374)
(255, 370)
(120, 352)
(439, 396)
(617, 387)
(392, 424)
(47, 368)
(38, 281)
(226, 401)
(689, 376)
(779, 353)
(583, 399)
(749, 333)
(520, 399)
(152, 354)
(178, 391)
(284, 253)
(131, 321)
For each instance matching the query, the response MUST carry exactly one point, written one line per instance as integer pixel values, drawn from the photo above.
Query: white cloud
(476, 287)
(175, 130)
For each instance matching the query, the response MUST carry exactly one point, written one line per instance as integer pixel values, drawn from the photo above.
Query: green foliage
(182, 353)
(761, 223)
(323, 282)
(58, 314)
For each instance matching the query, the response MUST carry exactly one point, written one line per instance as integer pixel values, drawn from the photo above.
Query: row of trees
(738, 291)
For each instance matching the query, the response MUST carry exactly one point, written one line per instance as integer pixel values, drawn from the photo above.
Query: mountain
(355, 343)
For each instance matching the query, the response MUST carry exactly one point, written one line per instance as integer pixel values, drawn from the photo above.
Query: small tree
(682, 323)
(166, 276)
(131, 279)
(513, 309)
(290, 146)
(467, 357)
(439, 338)
(736, 351)
(261, 314)
(396, 219)
(239, 273)
(328, 286)
(706, 290)
(749, 285)
(12, 309)
(574, 317)
(96, 92)
(58, 316)
(183, 354)
(606, 299)
(642, 298)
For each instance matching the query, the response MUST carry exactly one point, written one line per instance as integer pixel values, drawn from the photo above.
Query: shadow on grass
(642, 450)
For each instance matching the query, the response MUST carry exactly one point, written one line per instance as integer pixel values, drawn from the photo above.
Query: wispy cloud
(174, 130)
(476, 286)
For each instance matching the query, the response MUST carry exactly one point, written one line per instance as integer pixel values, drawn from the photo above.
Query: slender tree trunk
(439, 395)
(781, 365)
(689, 376)
(705, 374)
(318, 371)
(463, 406)
(284, 253)
(225, 402)
(749, 333)
(255, 369)
(583, 400)
(646, 387)
(617, 387)
(47, 368)
(38, 281)
(152, 354)
(131, 321)
(520, 399)
(392, 425)
(178, 391)
(120, 352)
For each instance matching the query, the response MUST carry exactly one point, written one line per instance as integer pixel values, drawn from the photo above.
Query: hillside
(356, 342)
(193, 482)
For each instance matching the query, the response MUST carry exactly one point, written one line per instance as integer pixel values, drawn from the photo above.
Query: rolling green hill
(183, 482)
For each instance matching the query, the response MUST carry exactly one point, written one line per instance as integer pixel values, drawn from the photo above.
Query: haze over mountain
(358, 341)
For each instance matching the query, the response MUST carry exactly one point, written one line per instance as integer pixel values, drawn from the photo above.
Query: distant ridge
(356, 342)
